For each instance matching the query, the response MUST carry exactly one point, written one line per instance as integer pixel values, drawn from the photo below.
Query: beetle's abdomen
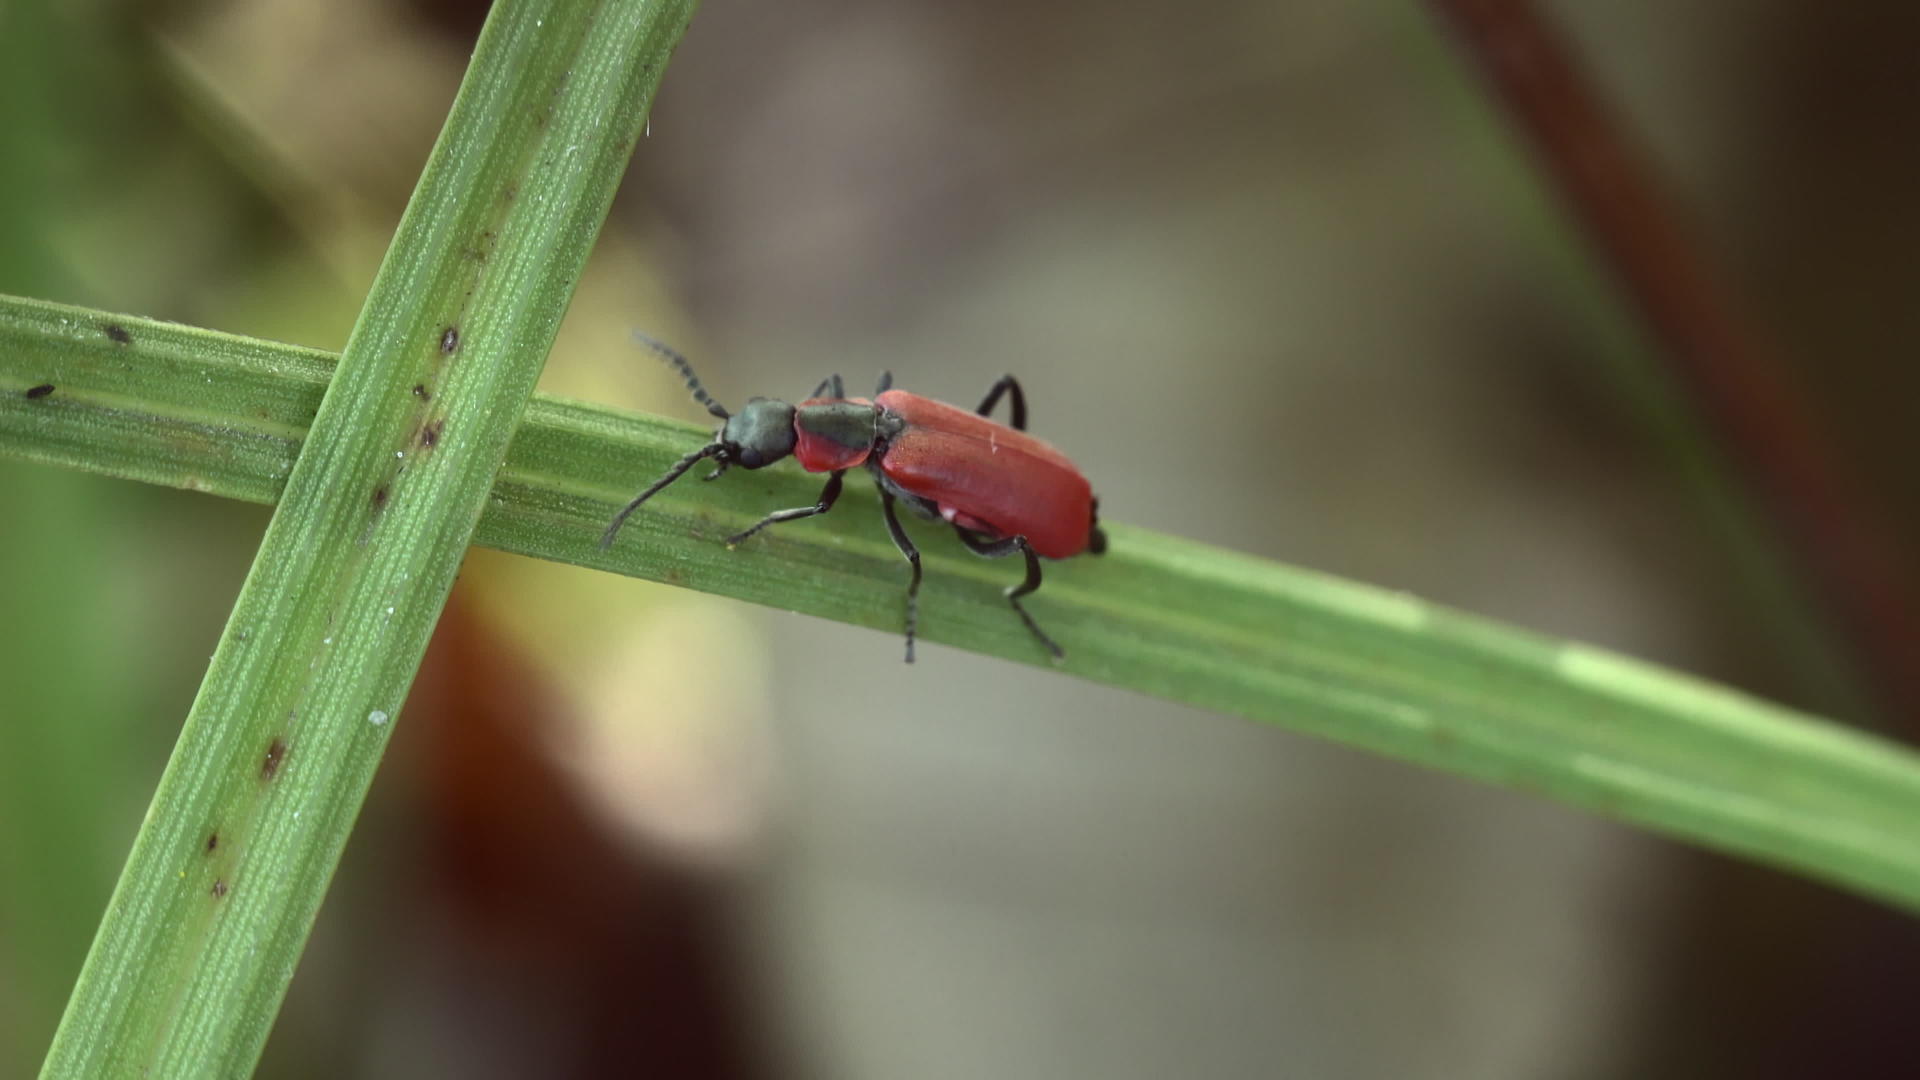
(980, 471)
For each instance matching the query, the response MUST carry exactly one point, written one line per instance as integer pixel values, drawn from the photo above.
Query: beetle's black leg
(913, 556)
(1007, 385)
(718, 470)
(828, 495)
(1029, 585)
(833, 383)
(999, 549)
(886, 383)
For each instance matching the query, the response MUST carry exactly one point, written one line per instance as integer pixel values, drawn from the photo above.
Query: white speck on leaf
(377, 717)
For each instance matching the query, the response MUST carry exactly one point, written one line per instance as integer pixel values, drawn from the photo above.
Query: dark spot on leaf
(450, 340)
(276, 755)
(219, 889)
(119, 334)
(213, 841)
(430, 435)
(380, 497)
(420, 391)
(40, 391)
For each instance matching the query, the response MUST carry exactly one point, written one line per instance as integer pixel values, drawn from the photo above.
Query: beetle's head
(760, 434)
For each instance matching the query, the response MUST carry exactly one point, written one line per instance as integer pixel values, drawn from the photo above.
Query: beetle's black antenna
(681, 466)
(679, 364)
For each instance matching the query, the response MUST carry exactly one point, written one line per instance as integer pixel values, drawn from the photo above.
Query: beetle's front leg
(828, 495)
(999, 549)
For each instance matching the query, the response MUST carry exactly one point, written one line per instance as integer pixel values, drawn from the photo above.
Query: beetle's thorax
(837, 433)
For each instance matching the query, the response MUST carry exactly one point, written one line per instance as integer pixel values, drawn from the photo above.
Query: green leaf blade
(374, 514)
(1183, 621)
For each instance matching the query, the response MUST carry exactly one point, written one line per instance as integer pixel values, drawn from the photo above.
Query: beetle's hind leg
(912, 553)
(999, 549)
(1009, 386)
(830, 383)
(828, 496)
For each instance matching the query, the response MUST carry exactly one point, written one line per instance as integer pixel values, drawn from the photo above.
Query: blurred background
(1277, 275)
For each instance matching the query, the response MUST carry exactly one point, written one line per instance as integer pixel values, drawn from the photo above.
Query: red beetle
(1001, 489)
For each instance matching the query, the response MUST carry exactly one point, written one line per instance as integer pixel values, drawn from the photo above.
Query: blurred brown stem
(1846, 550)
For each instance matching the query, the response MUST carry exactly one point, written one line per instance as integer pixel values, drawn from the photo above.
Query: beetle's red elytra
(1002, 490)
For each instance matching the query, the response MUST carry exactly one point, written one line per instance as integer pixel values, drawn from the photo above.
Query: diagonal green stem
(229, 869)
(1157, 614)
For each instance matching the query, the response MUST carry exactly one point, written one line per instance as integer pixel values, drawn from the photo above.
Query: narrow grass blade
(1165, 616)
(228, 871)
